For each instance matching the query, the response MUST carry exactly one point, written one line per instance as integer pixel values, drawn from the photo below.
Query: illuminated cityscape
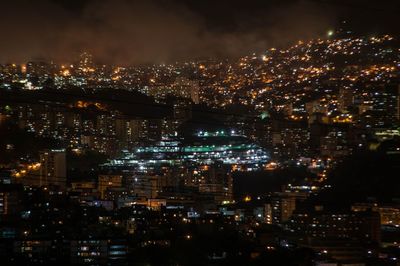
(200, 133)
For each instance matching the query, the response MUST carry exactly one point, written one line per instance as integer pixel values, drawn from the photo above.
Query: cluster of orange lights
(85, 104)
(28, 168)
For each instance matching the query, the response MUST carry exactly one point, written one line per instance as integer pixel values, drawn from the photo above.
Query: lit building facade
(53, 169)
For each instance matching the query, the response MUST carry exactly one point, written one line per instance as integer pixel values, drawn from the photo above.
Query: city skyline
(200, 133)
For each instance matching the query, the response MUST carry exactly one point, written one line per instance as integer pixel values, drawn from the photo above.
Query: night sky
(132, 32)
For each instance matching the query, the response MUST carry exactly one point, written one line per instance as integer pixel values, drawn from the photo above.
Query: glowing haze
(130, 32)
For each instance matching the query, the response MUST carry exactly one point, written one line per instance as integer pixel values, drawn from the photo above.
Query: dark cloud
(128, 32)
